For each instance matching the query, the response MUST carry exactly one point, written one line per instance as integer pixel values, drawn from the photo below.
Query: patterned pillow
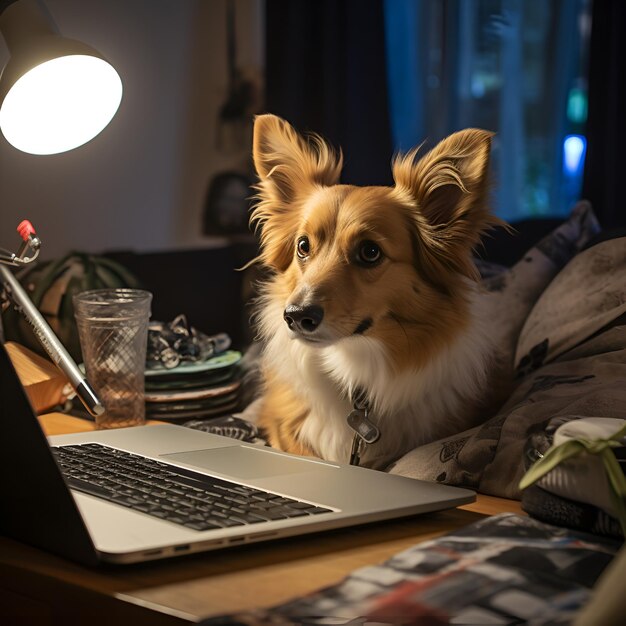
(510, 294)
(578, 303)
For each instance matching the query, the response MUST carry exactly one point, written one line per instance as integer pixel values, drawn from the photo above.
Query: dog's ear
(289, 167)
(449, 188)
(287, 163)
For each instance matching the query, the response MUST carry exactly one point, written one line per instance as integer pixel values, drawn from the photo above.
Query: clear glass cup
(113, 331)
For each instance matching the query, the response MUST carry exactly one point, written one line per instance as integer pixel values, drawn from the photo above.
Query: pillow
(508, 296)
(589, 381)
(578, 303)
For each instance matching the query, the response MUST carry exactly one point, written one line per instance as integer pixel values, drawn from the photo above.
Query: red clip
(25, 229)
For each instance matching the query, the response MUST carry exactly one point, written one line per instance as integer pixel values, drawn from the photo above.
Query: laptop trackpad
(244, 462)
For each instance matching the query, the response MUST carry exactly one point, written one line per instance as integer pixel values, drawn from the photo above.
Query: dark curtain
(325, 72)
(603, 181)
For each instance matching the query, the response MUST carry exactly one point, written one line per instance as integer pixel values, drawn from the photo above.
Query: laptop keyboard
(194, 500)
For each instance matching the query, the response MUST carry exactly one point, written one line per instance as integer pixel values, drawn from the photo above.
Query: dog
(371, 299)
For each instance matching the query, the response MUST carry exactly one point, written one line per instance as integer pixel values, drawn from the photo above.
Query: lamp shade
(55, 93)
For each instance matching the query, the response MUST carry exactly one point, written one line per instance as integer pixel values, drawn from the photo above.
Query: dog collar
(365, 431)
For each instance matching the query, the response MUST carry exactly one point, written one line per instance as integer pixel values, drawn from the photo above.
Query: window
(516, 67)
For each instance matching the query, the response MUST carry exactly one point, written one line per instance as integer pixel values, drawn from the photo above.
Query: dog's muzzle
(303, 319)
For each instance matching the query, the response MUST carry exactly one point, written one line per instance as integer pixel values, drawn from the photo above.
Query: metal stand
(14, 293)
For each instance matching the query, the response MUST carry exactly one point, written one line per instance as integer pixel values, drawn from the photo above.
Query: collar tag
(365, 431)
(364, 428)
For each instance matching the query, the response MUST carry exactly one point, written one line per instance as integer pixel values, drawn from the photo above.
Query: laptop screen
(36, 505)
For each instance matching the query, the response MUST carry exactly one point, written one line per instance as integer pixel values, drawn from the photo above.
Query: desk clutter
(202, 390)
(189, 374)
(191, 379)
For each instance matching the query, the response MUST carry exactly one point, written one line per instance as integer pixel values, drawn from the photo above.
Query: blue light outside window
(516, 67)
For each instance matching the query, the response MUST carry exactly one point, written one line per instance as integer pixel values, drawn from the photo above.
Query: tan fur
(419, 298)
(282, 402)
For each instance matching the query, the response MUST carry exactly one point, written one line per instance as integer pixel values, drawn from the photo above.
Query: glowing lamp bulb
(60, 104)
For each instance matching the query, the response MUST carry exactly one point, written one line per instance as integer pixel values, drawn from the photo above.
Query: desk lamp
(55, 95)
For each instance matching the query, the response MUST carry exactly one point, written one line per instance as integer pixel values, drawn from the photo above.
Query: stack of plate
(194, 390)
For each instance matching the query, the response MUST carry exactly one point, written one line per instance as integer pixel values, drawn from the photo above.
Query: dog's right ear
(287, 163)
(289, 167)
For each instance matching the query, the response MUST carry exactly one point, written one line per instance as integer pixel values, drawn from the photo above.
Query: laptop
(151, 492)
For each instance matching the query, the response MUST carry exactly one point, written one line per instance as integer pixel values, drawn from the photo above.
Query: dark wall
(204, 284)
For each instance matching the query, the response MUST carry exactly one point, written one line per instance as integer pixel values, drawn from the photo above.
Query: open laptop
(149, 492)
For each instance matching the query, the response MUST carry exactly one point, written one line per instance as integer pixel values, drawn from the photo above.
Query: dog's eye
(369, 253)
(303, 248)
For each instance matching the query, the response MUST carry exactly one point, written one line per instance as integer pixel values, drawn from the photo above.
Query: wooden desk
(45, 589)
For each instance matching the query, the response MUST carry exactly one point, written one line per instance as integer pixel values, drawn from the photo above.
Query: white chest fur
(411, 408)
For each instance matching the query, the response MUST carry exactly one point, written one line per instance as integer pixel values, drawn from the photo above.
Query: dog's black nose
(303, 318)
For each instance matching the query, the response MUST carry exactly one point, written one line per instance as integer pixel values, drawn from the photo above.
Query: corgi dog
(371, 299)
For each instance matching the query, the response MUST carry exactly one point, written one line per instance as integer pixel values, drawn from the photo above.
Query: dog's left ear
(449, 189)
